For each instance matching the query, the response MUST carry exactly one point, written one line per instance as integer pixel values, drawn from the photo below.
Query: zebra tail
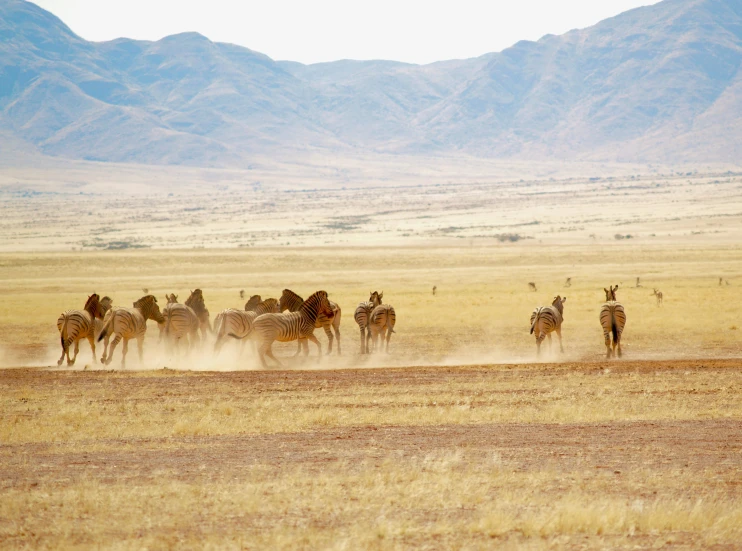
(614, 327)
(535, 321)
(238, 337)
(63, 334)
(106, 327)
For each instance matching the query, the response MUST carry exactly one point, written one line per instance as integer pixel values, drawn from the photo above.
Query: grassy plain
(465, 439)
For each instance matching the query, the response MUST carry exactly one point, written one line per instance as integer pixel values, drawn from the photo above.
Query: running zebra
(130, 323)
(75, 325)
(233, 323)
(292, 302)
(106, 303)
(252, 302)
(268, 306)
(362, 314)
(172, 298)
(181, 321)
(381, 322)
(291, 326)
(546, 319)
(197, 304)
(613, 321)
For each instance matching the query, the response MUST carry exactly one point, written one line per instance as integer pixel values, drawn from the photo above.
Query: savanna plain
(459, 437)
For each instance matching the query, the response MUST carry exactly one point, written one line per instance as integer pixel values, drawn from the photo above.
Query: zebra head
(610, 294)
(148, 306)
(106, 303)
(196, 301)
(318, 303)
(559, 303)
(93, 306)
(172, 298)
(289, 301)
(252, 303)
(375, 298)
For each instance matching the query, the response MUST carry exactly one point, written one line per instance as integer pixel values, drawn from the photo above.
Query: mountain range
(657, 83)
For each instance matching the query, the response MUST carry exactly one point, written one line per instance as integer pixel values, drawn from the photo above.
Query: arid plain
(460, 437)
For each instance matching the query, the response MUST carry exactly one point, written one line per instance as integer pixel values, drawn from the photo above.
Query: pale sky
(415, 31)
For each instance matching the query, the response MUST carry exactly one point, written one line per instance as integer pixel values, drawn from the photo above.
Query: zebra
(234, 323)
(381, 322)
(532, 286)
(172, 298)
(292, 326)
(268, 306)
(546, 319)
(197, 304)
(613, 321)
(292, 302)
(657, 293)
(362, 314)
(106, 303)
(130, 323)
(75, 325)
(181, 320)
(252, 302)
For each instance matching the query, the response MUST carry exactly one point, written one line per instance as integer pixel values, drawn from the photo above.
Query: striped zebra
(75, 325)
(172, 298)
(292, 302)
(268, 306)
(362, 314)
(180, 321)
(130, 323)
(252, 302)
(291, 326)
(381, 322)
(197, 304)
(613, 321)
(546, 319)
(106, 303)
(233, 323)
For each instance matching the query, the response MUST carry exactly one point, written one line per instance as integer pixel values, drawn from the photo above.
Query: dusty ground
(317, 471)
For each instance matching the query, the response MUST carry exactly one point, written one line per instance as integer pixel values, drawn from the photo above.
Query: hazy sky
(415, 31)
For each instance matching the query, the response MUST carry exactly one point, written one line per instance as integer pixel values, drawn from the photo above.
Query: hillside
(659, 83)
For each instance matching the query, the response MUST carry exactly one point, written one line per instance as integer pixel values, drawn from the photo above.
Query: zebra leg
(315, 341)
(218, 344)
(616, 343)
(363, 341)
(265, 350)
(388, 337)
(549, 335)
(607, 344)
(559, 334)
(91, 340)
(328, 332)
(124, 350)
(105, 349)
(116, 340)
(64, 351)
(337, 336)
(298, 348)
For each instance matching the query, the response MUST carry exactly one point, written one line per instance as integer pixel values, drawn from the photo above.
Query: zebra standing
(234, 323)
(362, 314)
(291, 326)
(613, 320)
(381, 322)
(292, 302)
(130, 323)
(75, 325)
(197, 304)
(546, 319)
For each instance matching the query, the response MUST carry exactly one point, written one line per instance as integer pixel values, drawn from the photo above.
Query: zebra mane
(252, 302)
(290, 301)
(93, 306)
(292, 294)
(311, 306)
(196, 301)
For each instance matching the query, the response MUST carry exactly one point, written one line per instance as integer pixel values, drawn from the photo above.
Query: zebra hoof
(70, 364)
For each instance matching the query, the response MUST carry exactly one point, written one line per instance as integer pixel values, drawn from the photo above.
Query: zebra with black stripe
(252, 302)
(130, 323)
(381, 322)
(292, 302)
(267, 306)
(198, 305)
(613, 321)
(546, 319)
(172, 298)
(75, 325)
(107, 304)
(233, 323)
(181, 321)
(292, 326)
(362, 314)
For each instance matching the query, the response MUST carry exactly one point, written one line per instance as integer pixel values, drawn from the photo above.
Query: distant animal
(285, 327)
(252, 302)
(362, 315)
(381, 323)
(234, 323)
(613, 321)
(532, 286)
(145, 291)
(435, 288)
(568, 283)
(721, 279)
(546, 319)
(74, 325)
(242, 293)
(638, 284)
(197, 304)
(130, 323)
(657, 293)
(292, 302)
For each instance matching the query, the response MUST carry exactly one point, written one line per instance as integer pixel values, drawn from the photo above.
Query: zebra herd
(548, 319)
(289, 318)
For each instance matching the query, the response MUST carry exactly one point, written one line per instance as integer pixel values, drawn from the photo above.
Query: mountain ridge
(657, 83)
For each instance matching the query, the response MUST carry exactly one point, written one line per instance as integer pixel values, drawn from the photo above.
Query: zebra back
(252, 302)
(613, 318)
(235, 323)
(383, 316)
(180, 320)
(74, 325)
(289, 301)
